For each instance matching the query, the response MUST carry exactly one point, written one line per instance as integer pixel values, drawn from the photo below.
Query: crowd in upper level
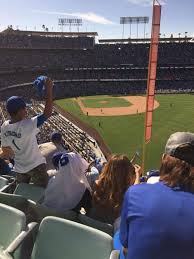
(14, 41)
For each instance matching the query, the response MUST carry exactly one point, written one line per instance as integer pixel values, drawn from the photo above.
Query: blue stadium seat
(12, 223)
(4, 183)
(64, 239)
(30, 191)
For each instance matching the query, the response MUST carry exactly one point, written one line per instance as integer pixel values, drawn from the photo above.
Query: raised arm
(48, 98)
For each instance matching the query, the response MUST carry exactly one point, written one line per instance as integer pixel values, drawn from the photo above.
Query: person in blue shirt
(157, 221)
(4, 167)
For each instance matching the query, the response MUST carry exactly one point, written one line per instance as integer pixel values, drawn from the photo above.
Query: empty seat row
(56, 238)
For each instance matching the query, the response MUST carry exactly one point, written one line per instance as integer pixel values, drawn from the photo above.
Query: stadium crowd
(152, 216)
(117, 62)
(111, 73)
(145, 211)
(101, 55)
(74, 88)
(41, 42)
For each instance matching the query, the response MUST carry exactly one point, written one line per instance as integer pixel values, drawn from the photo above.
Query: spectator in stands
(69, 189)
(108, 192)
(50, 148)
(94, 170)
(153, 176)
(157, 220)
(18, 138)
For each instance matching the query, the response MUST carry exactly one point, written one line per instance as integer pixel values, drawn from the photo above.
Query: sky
(102, 16)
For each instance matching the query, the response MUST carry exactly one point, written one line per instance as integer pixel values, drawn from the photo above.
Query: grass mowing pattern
(105, 102)
(124, 134)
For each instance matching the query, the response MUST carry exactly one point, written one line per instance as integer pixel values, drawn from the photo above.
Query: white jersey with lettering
(21, 137)
(67, 187)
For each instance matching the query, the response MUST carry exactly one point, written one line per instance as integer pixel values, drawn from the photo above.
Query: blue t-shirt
(157, 222)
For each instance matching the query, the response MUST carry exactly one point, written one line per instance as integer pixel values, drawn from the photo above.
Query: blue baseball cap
(14, 104)
(56, 136)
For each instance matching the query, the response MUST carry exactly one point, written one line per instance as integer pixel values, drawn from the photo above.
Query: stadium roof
(49, 33)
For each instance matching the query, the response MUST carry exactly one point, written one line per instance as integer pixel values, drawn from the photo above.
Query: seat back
(12, 222)
(107, 228)
(30, 191)
(64, 239)
(3, 182)
(15, 201)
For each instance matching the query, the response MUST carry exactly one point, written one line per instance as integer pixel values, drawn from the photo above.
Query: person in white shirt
(18, 139)
(69, 189)
(153, 176)
(50, 148)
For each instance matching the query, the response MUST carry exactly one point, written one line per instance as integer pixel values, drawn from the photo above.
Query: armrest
(107, 228)
(4, 255)
(8, 177)
(5, 188)
(8, 188)
(114, 254)
(21, 237)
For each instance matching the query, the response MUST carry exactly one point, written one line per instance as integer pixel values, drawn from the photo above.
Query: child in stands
(18, 139)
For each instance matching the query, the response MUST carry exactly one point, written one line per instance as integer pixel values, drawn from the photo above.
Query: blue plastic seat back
(3, 182)
(64, 239)
(30, 191)
(12, 222)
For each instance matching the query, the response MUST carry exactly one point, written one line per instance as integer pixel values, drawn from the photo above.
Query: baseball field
(120, 121)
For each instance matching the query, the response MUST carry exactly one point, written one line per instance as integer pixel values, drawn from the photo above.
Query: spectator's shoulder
(49, 146)
(140, 188)
(26, 121)
(5, 124)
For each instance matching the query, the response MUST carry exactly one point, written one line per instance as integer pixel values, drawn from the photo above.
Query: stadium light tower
(134, 20)
(61, 22)
(70, 22)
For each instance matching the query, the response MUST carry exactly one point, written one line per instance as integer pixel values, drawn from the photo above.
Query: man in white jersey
(18, 139)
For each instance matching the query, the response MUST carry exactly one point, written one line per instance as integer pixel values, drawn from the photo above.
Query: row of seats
(28, 198)
(24, 207)
(55, 238)
(6, 183)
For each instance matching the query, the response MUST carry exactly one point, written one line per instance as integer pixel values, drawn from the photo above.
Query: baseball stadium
(84, 119)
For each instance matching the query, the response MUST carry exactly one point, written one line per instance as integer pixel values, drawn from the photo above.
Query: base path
(138, 106)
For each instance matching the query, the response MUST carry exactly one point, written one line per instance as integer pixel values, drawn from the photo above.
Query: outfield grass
(124, 134)
(105, 102)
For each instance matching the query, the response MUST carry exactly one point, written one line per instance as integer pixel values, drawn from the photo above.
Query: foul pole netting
(152, 69)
